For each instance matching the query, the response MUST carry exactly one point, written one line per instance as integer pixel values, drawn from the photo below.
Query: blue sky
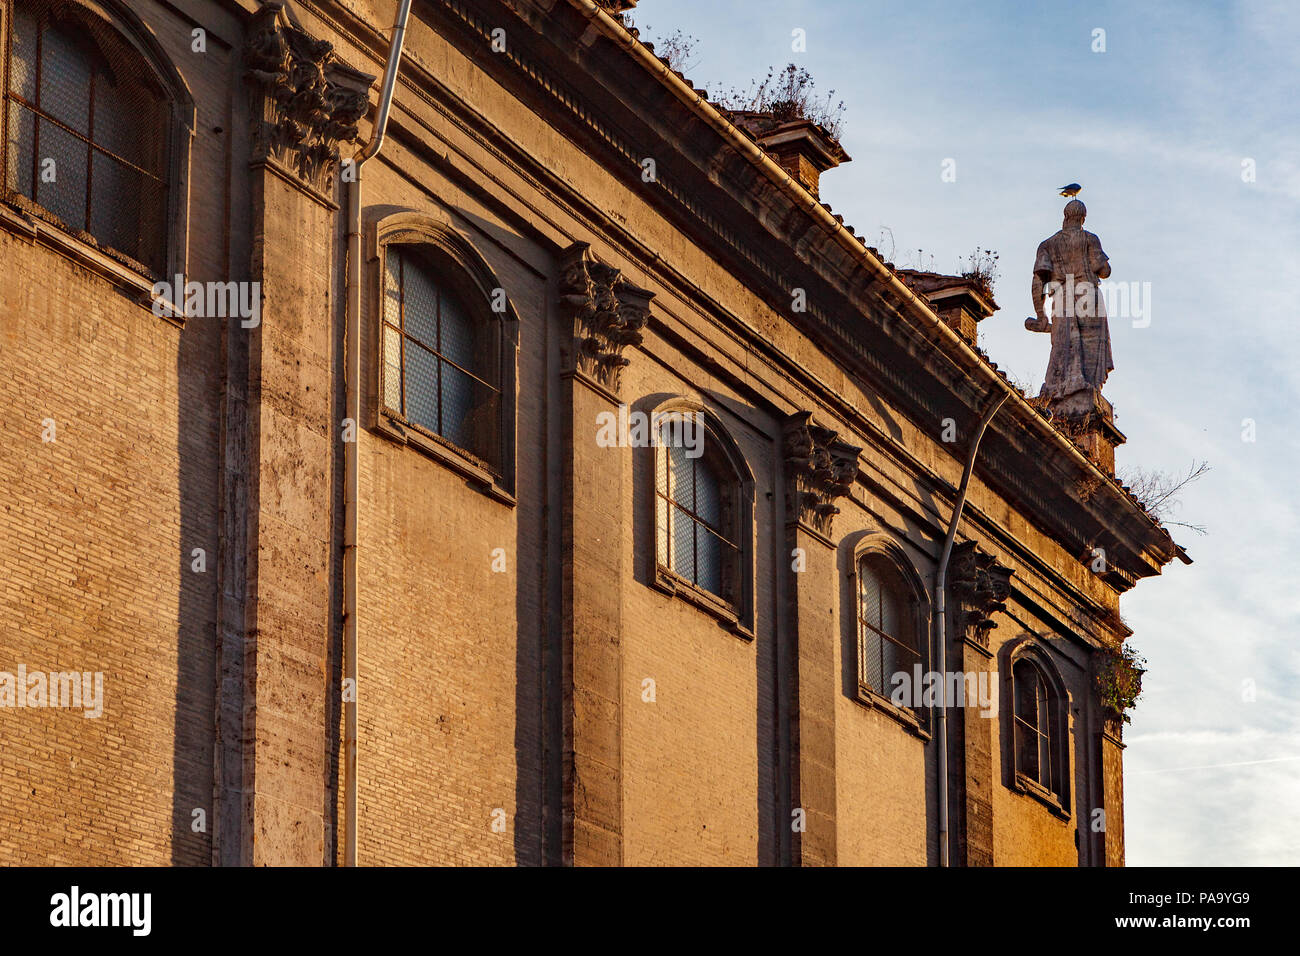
(1156, 129)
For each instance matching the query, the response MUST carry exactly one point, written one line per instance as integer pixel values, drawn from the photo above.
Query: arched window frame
(734, 608)
(463, 271)
(1051, 788)
(887, 552)
(115, 264)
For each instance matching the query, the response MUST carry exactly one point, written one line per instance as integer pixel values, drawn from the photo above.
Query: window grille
(86, 129)
(888, 641)
(440, 362)
(1035, 751)
(694, 519)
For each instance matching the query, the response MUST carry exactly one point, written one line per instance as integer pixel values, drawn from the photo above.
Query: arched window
(441, 366)
(446, 349)
(889, 627)
(697, 531)
(89, 129)
(703, 513)
(1038, 743)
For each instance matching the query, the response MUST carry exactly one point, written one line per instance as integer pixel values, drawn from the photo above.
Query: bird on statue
(1071, 190)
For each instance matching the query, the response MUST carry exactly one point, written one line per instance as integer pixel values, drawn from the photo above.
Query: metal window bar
(708, 574)
(1045, 762)
(408, 338)
(15, 102)
(875, 642)
(906, 657)
(1034, 756)
(698, 526)
(1027, 756)
(47, 118)
(697, 571)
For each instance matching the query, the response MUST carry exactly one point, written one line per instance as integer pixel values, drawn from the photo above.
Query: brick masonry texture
(503, 716)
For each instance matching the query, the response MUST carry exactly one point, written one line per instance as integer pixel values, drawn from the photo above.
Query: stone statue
(1068, 267)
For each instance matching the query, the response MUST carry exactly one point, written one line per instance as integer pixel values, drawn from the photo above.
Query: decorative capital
(982, 587)
(305, 102)
(608, 314)
(822, 470)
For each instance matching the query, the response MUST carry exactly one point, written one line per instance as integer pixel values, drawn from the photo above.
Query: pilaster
(304, 105)
(607, 314)
(980, 587)
(820, 469)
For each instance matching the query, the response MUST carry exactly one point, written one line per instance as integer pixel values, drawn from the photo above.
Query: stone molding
(608, 314)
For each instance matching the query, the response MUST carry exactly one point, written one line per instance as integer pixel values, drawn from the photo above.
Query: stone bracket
(305, 101)
(822, 470)
(981, 586)
(608, 314)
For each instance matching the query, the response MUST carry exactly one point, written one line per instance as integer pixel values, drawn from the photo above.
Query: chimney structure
(961, 302)
(802, 148)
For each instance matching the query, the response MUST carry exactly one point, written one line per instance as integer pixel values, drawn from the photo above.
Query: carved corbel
(608, 314)
(822, 470)
(981, 586)
(305, 102)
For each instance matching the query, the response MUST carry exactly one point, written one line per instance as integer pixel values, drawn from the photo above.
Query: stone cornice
(855, 317)
(305, 102)
(850, 315)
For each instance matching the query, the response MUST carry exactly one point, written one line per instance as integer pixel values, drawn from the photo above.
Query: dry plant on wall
(788, 95)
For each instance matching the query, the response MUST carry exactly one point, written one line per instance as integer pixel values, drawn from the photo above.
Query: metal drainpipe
(940, 604)
(352, 387)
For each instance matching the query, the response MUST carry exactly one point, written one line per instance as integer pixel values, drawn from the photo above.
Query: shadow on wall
(212, 356)
(198, 448)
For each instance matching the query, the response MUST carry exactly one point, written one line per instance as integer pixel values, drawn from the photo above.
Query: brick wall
(98, 528)
(96, 533)
(450, 688)
(699, 761)
(460, 697)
